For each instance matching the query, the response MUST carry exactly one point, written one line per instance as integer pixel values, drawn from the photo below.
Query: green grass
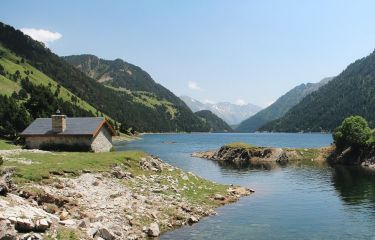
(239, 145)
(12, 63)
(198, 191)
(308, 154)
(194, 194)
(8, 86)
(300, 154)
(149, 100)
(66, 234)
(6, 145)
(73, 162)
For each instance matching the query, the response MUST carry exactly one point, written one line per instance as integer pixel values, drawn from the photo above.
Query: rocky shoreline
(239, 153)
(115, 204)
(350, 156)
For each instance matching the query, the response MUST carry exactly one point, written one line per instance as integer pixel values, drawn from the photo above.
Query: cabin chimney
(58, 122)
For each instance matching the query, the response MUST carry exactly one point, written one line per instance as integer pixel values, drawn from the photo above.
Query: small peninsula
(239, 153)
(112, 195)
(354, 144)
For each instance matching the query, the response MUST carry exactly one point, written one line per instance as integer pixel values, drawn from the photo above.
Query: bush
(353, 132)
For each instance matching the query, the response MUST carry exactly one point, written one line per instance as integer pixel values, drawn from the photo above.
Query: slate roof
(74, 126)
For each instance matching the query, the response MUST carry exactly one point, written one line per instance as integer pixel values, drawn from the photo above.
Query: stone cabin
(71, 134)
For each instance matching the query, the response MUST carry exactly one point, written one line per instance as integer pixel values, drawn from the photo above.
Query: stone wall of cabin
(35, 142)
(103, 141)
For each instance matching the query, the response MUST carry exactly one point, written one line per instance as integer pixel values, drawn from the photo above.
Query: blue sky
(237, 51)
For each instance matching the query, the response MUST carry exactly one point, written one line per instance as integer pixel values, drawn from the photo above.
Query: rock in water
(192, 219)
(153, 230)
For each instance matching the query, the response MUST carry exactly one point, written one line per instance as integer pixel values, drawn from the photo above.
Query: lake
(297, 201)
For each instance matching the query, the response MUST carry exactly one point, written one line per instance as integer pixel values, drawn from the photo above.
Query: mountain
(26, 94)
(214, 123)
(350, 93)
(229, 112)
(146, 107)
(280, 106)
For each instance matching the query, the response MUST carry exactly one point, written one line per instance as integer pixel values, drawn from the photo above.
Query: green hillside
(350, 93)
(213, 122)
(12, 63)
(281, 106)
(150, 112)
(130, 79)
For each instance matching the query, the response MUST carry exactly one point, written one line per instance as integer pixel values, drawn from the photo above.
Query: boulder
(117, 172)
(31, 236)
(96, 183)
(105, 234)
(41, 224)
(84, 223)
(24, 225)
(4, 189)
(153, 230)
(68, 222)
(7, 231)
(192, 219)
(64, 215)
(219, 197)
(151, 164)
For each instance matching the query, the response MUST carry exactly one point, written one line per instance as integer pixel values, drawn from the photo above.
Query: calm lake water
(304, 201)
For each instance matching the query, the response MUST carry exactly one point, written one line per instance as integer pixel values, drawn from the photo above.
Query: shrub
(353, 132)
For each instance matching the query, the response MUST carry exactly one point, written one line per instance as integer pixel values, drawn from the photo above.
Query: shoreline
(243, 152)
(131, 195)
(269, 157)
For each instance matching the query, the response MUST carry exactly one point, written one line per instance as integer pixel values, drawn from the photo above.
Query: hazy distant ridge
(281, 106)
(229, 112)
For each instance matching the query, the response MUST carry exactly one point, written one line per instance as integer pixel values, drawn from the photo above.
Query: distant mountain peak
(230, 112)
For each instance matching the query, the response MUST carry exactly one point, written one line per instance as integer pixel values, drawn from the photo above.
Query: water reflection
(304, 200)
(355, 185)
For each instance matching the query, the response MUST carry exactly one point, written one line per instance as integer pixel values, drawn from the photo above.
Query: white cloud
(194, 86)
(240, 102)
(42, 35)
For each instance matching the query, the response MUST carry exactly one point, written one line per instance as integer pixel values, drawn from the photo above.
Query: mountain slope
(350, 93)
(229, 112)
(116, 103)
(280, 106)
(213, 122)
(26, 94)
(11, 64)
(137, 84)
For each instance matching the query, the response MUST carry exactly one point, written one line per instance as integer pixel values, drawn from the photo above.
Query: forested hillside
(350, 93)
(132, 81)
(139, 112)
(213, 122)
(26, 93)
(280, 106)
